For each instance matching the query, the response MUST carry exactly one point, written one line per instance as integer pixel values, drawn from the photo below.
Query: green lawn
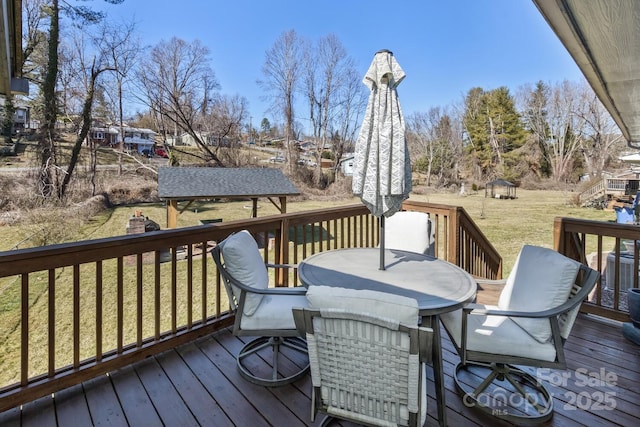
(528, 219)
(508, 224)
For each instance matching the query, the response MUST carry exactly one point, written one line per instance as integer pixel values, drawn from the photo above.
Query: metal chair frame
(266, 338)
(501, 367)
(349, 357)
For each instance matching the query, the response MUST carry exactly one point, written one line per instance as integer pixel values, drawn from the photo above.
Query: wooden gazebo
(187, 184)
(500, 189)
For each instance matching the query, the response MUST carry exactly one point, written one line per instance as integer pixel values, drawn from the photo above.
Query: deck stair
(606, 189)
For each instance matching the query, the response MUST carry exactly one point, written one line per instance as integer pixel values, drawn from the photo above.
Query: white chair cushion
(409, 231)
(496, 335)
(243, 261)
(541, 279)
(274, 312)
(380, 304)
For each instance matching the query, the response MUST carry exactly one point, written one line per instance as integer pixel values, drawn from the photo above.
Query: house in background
(183, 139)
(346, 165)
(104, 135)
(208, 138)
(21, 115)
(135, 139)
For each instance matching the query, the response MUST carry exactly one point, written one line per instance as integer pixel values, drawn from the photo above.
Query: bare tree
(566, 130)
(331, 91)
(79, 14)
(281, 70)
(351, 102)
(34, 36)
(600, 133)
(421, 141)
(93, 58)
(177, 83)
(224, 123)
(435, 140)
(123, 50)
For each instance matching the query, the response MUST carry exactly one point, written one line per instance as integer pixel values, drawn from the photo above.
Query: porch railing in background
(74, 311)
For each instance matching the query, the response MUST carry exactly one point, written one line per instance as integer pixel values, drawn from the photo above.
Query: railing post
(558, 235)
(282, 276)
(453, 237)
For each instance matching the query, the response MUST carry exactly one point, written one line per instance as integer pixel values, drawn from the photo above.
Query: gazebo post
(254, 208)
(172, 213)
(282, 276)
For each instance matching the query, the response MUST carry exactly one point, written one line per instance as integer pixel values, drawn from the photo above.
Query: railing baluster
(76, 315)
(156, 296)
(203, 288)
(120, 304)
(24, 330)
(190, 285)
(51, 323)
(139, 299)
(98, 318)
(174, 290)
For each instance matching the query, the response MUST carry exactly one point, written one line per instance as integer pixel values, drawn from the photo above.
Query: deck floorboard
(198, 385)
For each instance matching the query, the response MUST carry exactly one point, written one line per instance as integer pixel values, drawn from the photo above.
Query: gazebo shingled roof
(192, 183)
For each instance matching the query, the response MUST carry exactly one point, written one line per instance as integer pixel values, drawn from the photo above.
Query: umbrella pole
(381, 242)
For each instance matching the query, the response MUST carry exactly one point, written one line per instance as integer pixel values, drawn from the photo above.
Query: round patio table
(437, 285)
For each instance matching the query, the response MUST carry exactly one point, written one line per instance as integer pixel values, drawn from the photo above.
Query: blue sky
(445, 47)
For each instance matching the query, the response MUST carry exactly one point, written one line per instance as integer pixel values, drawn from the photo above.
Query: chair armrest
(586, 287)
(269, 265)
(508, 313)
(490, 283)
(298, 290)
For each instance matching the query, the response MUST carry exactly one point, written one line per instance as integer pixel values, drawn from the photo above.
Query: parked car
(279, 158)
(162, 153)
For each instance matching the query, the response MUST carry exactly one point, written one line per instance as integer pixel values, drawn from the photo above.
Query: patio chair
(367, 356)
(534, 316)
(410, 231)
(261, 311)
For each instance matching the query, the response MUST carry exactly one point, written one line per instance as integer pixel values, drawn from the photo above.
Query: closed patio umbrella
(382, 168)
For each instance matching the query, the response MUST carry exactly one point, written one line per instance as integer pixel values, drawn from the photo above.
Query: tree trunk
(82, 135)
(46, 140)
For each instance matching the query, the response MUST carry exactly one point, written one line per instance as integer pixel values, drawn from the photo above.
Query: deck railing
(610, 248)
(71, 312)
(608, 186)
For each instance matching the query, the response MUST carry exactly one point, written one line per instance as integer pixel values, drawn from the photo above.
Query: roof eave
(562, 19)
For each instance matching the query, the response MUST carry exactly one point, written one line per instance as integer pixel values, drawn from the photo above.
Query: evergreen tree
(492, 129)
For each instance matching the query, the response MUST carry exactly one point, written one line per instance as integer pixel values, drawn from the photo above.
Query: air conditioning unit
(626, 279)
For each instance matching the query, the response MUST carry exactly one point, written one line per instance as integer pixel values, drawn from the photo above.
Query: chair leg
(326, 421)
(521, 399)
(274, 379)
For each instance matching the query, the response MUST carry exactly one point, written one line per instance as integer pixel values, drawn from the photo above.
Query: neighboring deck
(197, 384)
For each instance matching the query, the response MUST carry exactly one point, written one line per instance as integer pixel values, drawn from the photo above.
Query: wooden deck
(197, 384)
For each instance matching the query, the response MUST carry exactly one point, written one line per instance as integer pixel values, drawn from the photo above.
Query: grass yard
(508, 224)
